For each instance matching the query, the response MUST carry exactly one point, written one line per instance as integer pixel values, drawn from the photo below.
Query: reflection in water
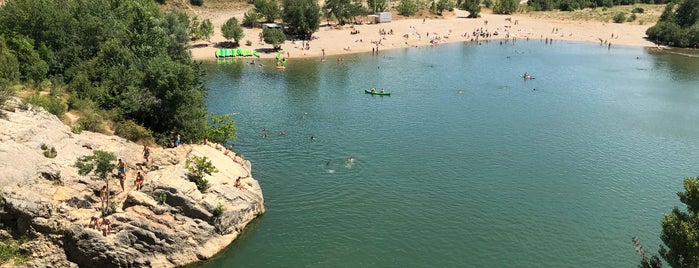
(680, 68)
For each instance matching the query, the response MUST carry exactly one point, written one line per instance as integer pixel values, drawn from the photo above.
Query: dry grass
(649, 16)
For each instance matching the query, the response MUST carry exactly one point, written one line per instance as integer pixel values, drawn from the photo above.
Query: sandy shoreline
(415, 32)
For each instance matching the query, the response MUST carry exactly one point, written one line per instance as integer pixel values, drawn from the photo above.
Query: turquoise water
(465, 164)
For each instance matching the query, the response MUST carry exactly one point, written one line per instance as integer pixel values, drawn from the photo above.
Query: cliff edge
(169, 222)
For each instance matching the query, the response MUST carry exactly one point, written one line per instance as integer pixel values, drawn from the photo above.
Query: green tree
(250, 18)
(505, 6)
(377, 5)
(101, 163)
(274, 37)
(344, 10)
(206, 30)
(9, 65)
(473, 7)
(198, 167)
(444, 5)
(680, 232)
(302, 17)
(677, 24)
(269, 9)
(407, 7)
(232, 30)
(221, 128)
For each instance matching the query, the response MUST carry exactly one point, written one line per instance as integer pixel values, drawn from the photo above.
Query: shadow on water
(680, 68)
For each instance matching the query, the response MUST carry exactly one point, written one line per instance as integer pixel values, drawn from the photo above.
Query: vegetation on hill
(678, 25)
(122, 60)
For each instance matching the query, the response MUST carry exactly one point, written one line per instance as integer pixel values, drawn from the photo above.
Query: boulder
(168, 223)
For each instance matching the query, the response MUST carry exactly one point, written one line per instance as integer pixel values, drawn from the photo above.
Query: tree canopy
(269, 9)
(302, 17)
(232, 30)
(473, 7)
(125, 56)
(273, 36)
(680, 232)
(407, 7)
(678, 25)
(344, 10)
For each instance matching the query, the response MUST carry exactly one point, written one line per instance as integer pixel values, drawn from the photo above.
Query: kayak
(385, 93)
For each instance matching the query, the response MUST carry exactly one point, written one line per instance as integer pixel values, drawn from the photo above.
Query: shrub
(250, 18)
(90, 121)
(197, 2)
(49, 153)
(619, 17)
(637, 10)
(218, 211)
(131, 131)
(632, 17)
(161, 198)
(197, 167)
(51, 104)
(248, 43)
(407, 7)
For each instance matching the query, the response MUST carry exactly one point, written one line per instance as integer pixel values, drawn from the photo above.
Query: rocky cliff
(167, 223)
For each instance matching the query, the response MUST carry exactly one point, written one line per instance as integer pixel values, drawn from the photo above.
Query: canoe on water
(377, 92)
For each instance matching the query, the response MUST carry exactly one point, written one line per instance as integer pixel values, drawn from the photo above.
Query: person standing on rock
(146, 152)
(139, 181)
(103, 195)
(122, 167)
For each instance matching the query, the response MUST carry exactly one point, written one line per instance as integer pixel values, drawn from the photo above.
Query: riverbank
(339, 40)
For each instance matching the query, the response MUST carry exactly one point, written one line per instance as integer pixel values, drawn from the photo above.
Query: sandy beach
(338, 40)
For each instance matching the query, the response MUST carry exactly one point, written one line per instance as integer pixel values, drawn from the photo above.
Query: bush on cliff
(198, 167)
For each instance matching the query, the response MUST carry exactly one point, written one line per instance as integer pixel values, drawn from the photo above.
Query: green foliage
(104, 50)
(505, 6)
(269, 9)
(49, 152)
(344, 10)
(473, 7)
(160, 198)
(302, 17)
(679, 234)
(619, 17)
(444, 5)
(198, 167)
(637, 10)
(274, 37)
(132, 131)
(407, 7)
(197, 2)
(250, 18)
(232, 30)
(196, 30)
(377, 5)
(101, 162)
(678, 25)
(218, 211)
(9, 65)
(50, 103)
(632, 17)
(248, 43)
(10, 253)
(90, 121)
(486, 3)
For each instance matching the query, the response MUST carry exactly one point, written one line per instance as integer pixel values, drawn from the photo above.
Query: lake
(466, 164)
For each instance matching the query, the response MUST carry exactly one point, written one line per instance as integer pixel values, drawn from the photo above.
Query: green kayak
(376, 92)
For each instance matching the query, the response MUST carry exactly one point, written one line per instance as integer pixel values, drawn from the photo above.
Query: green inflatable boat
(377, 92)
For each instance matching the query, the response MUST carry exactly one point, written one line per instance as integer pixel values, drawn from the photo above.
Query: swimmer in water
(350, 159)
